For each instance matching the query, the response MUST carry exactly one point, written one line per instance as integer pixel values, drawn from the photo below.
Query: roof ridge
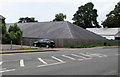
(69, 29)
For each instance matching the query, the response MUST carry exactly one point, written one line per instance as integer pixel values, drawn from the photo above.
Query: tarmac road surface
(93, 61)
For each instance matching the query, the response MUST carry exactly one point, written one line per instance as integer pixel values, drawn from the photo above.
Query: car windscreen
(44, 40)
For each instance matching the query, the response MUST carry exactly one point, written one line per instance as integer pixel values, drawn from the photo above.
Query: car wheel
(47, 46)
(35, 45)
(52, 46)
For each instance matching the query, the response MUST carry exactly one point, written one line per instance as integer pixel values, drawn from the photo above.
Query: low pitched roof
(105, 31)
(56, 30)
(118, 34)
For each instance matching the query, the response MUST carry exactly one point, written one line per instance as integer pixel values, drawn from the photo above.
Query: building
(2, 22)
(117, 36)
(109, 33)
(2, 19)
(63, 33)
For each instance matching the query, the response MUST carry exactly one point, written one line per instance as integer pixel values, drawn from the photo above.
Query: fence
(11, 45)
(73, 42)
(63, 43)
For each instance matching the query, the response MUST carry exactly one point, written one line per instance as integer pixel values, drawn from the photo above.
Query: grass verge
(88, 46)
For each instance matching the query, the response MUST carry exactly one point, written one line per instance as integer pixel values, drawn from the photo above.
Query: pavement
(37, 50)
(16, 49)
(8, 46)
(91, 61)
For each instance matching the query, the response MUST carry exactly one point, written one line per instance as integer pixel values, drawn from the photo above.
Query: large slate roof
(56, 30)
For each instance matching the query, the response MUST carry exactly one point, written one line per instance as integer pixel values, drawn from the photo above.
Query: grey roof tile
(56, 30)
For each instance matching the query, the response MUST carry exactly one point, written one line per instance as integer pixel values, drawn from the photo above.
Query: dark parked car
(44, 43)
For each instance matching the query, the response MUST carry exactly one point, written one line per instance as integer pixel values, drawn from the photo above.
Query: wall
(73, 42)
(109, 37)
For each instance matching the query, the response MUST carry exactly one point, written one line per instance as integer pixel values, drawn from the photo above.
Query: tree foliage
(27, 19)
(14, 28)
(15, 33)
(59, 17)
(86, 16)
(3, 31)
(3, 28)
(113, 18)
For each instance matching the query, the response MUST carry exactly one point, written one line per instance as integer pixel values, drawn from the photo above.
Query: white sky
(45, 10)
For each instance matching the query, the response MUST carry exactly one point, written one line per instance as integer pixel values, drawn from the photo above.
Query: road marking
(22, 63)
(68, 57)
(57, 59)
(6, 54)
(99, 55)
(51, 64)
(25, 53)
(90, 55)
(41, 60)
(103, 55)
(7, 70)
(85, 57)
(80, 57)
(1, 63)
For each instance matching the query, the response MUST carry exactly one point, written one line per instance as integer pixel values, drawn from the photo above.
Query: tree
(113, 18)
(14, 28)
(2, 26)
(15, 33)
(3, 30)
(86, 16)
(27, 19)
(59, 17)
(3, 33)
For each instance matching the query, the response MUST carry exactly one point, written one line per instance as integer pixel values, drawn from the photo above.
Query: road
(92, 61)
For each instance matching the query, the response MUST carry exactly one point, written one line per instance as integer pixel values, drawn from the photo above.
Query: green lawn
(87, 46)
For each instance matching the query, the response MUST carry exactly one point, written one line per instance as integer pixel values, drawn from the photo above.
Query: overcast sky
(45, 10)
